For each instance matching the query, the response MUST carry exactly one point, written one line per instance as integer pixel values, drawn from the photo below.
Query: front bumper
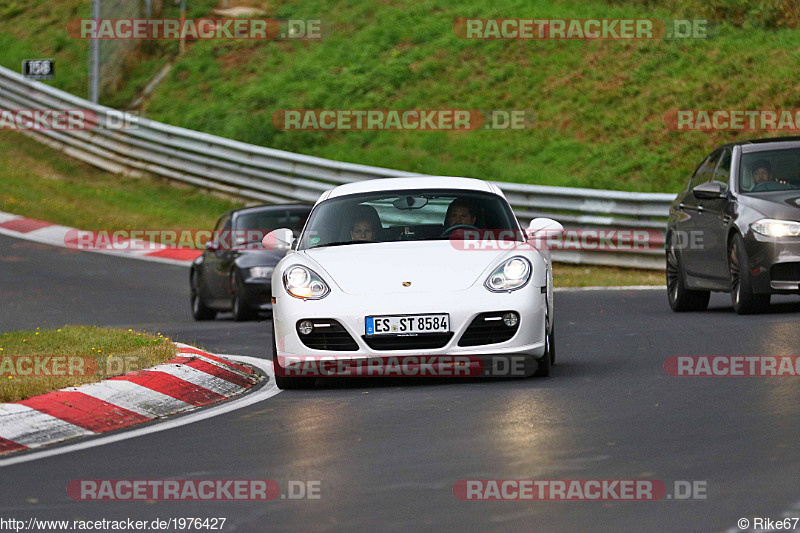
(774, 263)
(462, 306)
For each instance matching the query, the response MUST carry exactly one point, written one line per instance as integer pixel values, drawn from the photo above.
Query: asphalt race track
(388, 453)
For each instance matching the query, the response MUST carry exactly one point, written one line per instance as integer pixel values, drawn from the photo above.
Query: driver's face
(460, 215)
(362, 231)
(761, 175)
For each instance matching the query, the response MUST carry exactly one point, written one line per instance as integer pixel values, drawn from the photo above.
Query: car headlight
(302, 282)
(260, 272)
(776, 228)
(510, 276)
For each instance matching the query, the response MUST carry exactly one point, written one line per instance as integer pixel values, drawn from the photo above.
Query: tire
(546, 361)
(285, 382)
(744, 301)
(200, 311)
(240, 311)
(680, 298)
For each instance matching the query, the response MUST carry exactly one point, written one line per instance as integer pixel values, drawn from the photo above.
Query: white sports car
(415, 276)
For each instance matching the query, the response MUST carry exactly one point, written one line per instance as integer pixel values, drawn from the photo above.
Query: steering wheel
(451, 229)
(771, 186)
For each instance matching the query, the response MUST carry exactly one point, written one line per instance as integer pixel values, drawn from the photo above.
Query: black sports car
(234, 272)
(736, 227)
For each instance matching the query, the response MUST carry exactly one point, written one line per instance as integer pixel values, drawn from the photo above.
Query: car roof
(767, 143)
(267, 208)
(411, 183)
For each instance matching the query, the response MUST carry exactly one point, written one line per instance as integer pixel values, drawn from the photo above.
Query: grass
(33, 29)
(96, 354)
(600, 105)
(39, 182)
(567, 275)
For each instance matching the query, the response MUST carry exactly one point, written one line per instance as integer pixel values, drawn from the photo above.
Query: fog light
(305, 327)
(510, 319)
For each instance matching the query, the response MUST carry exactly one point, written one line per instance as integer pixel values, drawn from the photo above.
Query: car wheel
(285, 382)
(199, 309)
(744, 300)
(681, 298)
(546, 360)
(240, 311)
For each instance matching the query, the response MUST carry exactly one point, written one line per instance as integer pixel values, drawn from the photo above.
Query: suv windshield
(774, 170)
(417, 215)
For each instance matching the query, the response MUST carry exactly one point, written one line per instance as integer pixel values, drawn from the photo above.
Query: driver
(762, 171)
(460, 212)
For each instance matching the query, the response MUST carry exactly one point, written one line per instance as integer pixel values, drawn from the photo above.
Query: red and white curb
(43, 232)
(192, 379)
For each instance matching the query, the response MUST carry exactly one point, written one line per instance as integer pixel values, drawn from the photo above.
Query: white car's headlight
(302, 282)
(260, 272)
(511, 275)
(776, 228)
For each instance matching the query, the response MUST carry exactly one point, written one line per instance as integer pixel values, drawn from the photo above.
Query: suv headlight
(776, 228)
(510, 276)
(260, 272)
(304, 283)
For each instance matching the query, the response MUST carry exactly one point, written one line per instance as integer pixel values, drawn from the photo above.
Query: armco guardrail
(269, 175)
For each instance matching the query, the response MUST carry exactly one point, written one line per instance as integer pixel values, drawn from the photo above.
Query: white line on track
(267, 391)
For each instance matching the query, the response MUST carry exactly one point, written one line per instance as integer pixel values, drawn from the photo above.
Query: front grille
(420, 341)
(785, 272)
(328, 334)
(492, 331)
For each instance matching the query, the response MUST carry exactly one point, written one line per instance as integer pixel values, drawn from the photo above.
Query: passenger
(365, 223)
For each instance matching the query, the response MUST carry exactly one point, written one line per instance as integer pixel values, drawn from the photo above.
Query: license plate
(407, 324)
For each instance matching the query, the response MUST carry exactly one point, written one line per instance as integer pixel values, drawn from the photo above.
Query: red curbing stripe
(214, 370)
(172, 386)
(216, 358)
(84, 411)
(7, 446)
(179, 254)
(25, 225)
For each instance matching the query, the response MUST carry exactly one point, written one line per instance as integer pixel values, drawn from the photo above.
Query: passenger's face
(460, 215)
(362, 231)
(761, 175)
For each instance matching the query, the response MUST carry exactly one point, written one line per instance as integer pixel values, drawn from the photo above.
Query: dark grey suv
(736, 227)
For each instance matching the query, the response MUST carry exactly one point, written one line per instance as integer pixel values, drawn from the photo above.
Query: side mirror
(709, 190)
(544, 224)
(279, 239)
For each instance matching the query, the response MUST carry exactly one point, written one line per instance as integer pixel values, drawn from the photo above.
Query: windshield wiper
(342, 243)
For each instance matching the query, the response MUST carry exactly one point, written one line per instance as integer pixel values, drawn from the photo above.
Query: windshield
(775, 170)
(418, 215)
(251, 225)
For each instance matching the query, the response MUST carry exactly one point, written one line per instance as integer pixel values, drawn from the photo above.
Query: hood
(382, 268)
(783, 205)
